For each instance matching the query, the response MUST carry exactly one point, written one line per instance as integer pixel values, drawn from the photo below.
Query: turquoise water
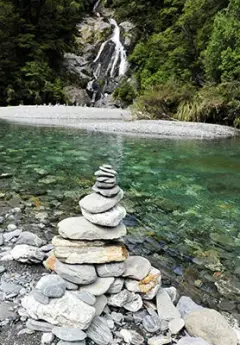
(183, 193)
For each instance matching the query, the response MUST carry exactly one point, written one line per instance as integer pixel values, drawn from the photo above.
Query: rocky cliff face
(101, 58)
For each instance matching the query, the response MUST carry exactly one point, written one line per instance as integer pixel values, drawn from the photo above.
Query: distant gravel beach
(117, 121)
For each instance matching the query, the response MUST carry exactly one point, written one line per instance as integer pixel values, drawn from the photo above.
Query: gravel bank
(112, 121)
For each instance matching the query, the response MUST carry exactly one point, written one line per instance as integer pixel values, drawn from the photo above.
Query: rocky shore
(93, 289)
(117, 121)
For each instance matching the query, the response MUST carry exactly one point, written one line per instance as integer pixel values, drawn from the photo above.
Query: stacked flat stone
(92, 270)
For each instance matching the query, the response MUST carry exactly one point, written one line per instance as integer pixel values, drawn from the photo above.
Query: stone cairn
(93, 276)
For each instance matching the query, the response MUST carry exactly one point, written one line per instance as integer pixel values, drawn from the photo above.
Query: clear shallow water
(186, 194)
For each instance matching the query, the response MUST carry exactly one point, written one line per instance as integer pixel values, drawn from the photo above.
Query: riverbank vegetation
(187, 59)
(34, 34)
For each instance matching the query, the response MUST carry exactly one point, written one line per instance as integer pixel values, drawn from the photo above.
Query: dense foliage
(34, 34)
(186, 44)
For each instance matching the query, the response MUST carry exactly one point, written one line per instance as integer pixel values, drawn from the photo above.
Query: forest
(185, 61)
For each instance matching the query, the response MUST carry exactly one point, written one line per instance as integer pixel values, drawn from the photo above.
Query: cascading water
(110, 63)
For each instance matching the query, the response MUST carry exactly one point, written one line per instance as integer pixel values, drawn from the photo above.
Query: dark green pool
(186, 194)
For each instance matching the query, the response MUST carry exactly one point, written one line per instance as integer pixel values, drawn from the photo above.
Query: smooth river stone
(103, 174)
(69, 334)
(51, 285)
(116, 286)
(137, 267)
(96, 203)
(67, 311)
(110, 180)
(99, 332)
(166, 309)
(106, 192)
(128, 300)
(99, 287)
(110, 218)
(79, 228)
(86, 297)
(94, 252)
(103, 185)
(114, 269)
(77, 274)
(108, 170)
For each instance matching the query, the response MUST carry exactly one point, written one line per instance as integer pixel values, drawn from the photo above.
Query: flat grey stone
(62, 342)
(37, 294)
(31, 239)
(131, 337)
(66, 311)
(96, 203)
(99, 331)
(8, 236)
(9, 288)
(41, 326)
(192, 341)
(152, 322)
(108, 170)
(114, 269)
(106, 180)
(6, 310)
(2, 269)
(103, 185)
(79, 228)
(160, 340)
(116, 286)
(1, 239)
(77, 274)
(101, 302)
(166, 309)
(69, 334)
(186, 305)
(128, 300)
(52, 285)
(134, 303)
(88, 252)
(111, 218)
(107, 192)
(101, 173)
(86, 297)
(47, 338)
(71, 286)
(25, 253)
(137, 267)
(99, 287)
(175, 325)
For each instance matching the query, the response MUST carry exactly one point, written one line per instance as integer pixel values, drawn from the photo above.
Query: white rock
(160, 340)
(111, 218)
(131, 337)
(11, 227)
(99, 332)
(175, 325)
(137, 267)
(79, 228)
(47, 338)
(192, 341)
(99, 287)
(67, 311)
(96, 203)
(26, 253)
(100, 304)
(165, 307)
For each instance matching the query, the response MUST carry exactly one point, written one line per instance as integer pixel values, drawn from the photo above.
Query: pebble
(99, 331)
(39, 325)
(52, 285)
(116, 286)
(165, 307)
(134, 303)
(115, 269)
(176, 325)
(8, 236)
(152, 322)
(137, 267)
(27, 237)
(99, 287)
(11, 227)
(37, 294)
(161, 340)
(100, 304)
(69, 334)
(86, 297)
(131, 337)
(25, 253)
(47, 338)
